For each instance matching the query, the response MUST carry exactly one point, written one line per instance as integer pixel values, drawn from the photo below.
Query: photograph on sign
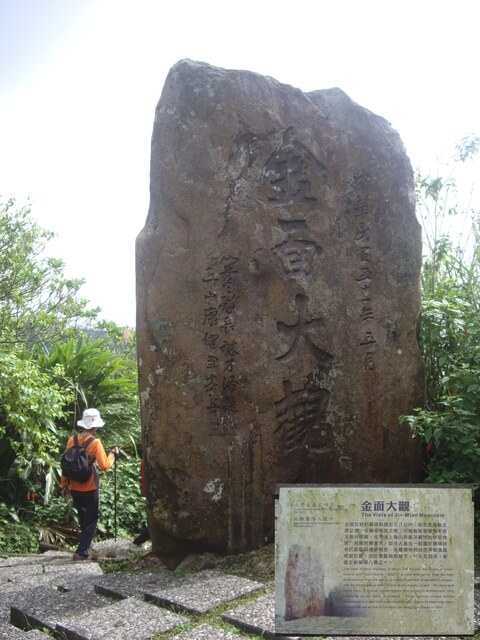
(374, 560)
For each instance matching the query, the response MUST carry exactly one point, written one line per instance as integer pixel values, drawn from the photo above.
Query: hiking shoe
(142, 537)
(77, 557)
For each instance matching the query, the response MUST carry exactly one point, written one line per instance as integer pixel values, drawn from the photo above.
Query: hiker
(85, 494)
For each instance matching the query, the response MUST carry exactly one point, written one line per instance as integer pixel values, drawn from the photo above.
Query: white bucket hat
(91, 419)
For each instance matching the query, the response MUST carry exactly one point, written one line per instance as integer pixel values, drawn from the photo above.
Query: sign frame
(374, 559)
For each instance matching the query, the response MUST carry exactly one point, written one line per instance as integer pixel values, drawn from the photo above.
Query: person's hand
(65, 493)
(116, 452)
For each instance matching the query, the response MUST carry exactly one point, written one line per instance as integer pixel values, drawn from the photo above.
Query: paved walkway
(78, 601)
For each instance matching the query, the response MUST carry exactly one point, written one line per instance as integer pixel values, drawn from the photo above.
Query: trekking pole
(115, 498)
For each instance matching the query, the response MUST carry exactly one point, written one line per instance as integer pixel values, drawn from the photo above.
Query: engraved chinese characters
(221, 277)
(394, 558)
(278, 297)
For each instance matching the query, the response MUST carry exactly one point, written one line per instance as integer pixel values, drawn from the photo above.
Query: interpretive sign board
(374, 560)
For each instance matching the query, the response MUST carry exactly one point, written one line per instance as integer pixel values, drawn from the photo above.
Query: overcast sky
(79, 81)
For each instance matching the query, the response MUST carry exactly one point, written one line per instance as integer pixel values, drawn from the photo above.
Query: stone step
(12, 578)
(196, 594)
(119, 585)
(49, 557)
(77, 599)
(43, 607)
(201, 592)
(123, 620)
(82, 602)
(107, 620)
(80, 611)
(257, 616)
(19, 580)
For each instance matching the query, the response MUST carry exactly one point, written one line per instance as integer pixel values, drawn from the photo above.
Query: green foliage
(120, 340)
(450, 331)
(42, 395)
(449, 424)
(454, 442)
(37, 302)
(51, 368)
(129, 503)
(18, 538)
(30, 405)
(15, 537)
(96, 377)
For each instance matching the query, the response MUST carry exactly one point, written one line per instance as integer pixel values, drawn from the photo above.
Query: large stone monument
(278, 297)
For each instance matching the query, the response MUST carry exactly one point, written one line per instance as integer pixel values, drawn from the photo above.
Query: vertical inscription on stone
(220, 294)
(301, 414)
(360, 211)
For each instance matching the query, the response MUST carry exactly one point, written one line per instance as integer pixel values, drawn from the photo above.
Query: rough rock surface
(277, 280)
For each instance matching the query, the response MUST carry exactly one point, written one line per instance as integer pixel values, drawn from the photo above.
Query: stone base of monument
(120, 549)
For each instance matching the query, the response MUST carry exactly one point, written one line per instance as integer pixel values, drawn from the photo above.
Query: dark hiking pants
(86, 504)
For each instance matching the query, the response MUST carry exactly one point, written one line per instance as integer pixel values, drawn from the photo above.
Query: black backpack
(75, 463)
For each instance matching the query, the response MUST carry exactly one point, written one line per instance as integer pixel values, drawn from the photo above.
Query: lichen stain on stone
(215, 488)
(145, 395)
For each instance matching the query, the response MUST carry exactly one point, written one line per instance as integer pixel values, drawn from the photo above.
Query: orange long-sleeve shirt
(96, 453)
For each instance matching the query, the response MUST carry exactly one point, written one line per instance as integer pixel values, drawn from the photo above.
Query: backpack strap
(85, 445)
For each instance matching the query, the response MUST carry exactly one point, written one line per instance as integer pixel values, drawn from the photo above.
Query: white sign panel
(374, 560)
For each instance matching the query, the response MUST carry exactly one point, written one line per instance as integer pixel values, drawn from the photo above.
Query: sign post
(374, 560)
